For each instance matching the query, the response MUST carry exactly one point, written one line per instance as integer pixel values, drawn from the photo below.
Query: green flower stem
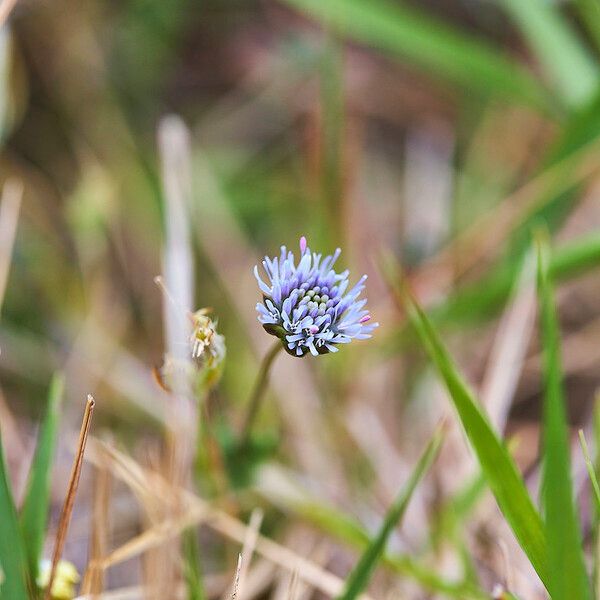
(258, 391)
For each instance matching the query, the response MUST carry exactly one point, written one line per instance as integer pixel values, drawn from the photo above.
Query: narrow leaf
(428, 42)
(568, 577)
(484, 297)
(359, 578)
(495, 461)
(192, 571)
(590, 469)
(558, 49)
(589, 12)
(346, 528)
(576, 257)
(13, 562)
(34, 514)
(596, 513)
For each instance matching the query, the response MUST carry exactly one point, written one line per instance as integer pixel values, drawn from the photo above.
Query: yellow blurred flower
(65, 579)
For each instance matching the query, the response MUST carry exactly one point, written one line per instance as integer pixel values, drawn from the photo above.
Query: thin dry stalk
(305, 542)
(93, 579)
(154, 536)
(507, 356)
(293, 589)
(508, 574)
(236, 582)
(217, 520)
(178, 268)
(256, 519)
(259, 579)
(177, 259)
(67, 510)
(320, 553)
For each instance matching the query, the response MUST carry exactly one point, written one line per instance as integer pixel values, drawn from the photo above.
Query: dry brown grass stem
(508, 575)
(507, 355)
(293, 589)
(236, 581)
(93, 579)
(67, 510)
(154, 536)
(135, 476)
(256, 519)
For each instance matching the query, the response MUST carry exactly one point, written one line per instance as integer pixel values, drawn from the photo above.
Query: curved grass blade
(192, 571)
(483, 298)
(359, 578)
(428, 42)
(575, 257)
(589, 13)
(496, 463)
(590, 469)
(568, 577)
(345, 528)
(564, 58)
(596, 513)
(13, 562)
(34, 514)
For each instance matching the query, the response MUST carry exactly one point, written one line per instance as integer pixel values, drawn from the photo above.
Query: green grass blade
(483, 298)
(345, 528)
(450, 518)
(589, 12)
(13, 561)
(496, 463)
(413, 35)
(334, 522)
(568, 577)
(596, 513)
(576, 257)
(590, 469)
(565, 59)
(34, 514)
(359, 578)
(192, 571)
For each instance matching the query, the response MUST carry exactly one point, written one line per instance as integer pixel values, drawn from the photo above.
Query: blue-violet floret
(307, 305)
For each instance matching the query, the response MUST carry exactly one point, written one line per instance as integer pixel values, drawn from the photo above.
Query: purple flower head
(308, 306)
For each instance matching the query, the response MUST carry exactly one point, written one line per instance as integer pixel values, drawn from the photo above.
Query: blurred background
(440, 132)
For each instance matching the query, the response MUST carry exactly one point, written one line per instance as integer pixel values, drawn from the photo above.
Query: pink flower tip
(365, 319)
(313, 329)
(302, 244)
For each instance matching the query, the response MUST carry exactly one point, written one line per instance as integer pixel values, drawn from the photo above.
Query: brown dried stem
(67, 510)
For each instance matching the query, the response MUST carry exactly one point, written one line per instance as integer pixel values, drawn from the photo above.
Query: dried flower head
(307, 305)
(208, 346)
(206, 349)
